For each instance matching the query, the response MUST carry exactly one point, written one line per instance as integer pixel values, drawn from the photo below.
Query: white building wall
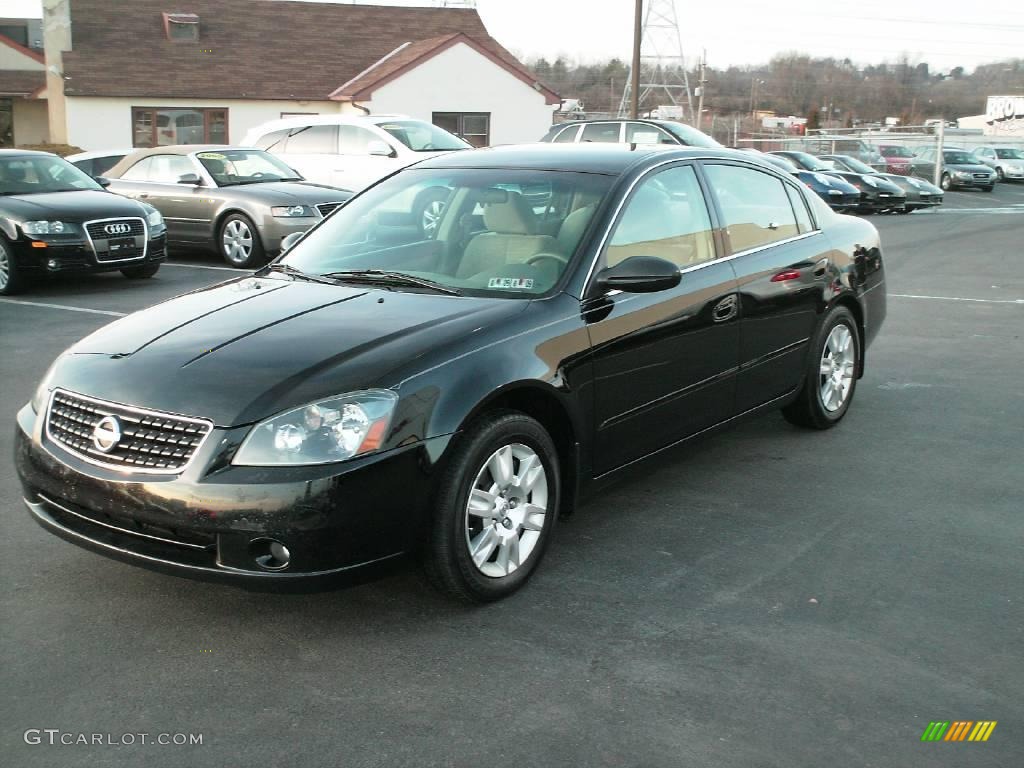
(12, 59)
(460, 79)
(106, 123)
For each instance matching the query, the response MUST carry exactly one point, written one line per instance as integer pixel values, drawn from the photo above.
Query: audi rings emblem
(118, 229)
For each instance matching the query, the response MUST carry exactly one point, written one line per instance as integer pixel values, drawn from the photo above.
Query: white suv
(351, 152)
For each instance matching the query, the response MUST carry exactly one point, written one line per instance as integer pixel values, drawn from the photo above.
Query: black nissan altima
(56, 219)
(376, 391)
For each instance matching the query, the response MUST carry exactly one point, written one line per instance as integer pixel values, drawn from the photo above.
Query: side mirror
(103, 181)
(379, 148)
(639, 274)
(290, 240)
(190, 178)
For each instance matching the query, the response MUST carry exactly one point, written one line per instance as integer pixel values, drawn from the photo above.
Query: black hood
(252, 347)
(81, 205)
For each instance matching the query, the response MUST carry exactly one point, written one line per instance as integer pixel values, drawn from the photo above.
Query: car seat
(511, 238)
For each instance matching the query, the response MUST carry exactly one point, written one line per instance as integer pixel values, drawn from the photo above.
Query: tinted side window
(101, 165)
(272, 141)
(86, 166)
(607, 132)
(139, 171)
(167, 168)
(568, 135)
(755, 206)
(803, 218)
(640, 133)
(666, 217)
(314, 140)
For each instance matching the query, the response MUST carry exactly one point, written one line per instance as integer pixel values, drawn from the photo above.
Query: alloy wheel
(5, 268)
(838, 361)
(431, 216)
(507, 510)
(237, 241)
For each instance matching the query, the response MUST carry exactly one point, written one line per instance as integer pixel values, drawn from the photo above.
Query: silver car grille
(110, 239)
(149, 441)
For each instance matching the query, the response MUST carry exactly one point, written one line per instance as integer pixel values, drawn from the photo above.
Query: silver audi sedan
(242, 201)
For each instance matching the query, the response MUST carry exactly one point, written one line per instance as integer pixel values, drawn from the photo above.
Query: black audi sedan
(877, 195)
(376, 392)
(56, 219)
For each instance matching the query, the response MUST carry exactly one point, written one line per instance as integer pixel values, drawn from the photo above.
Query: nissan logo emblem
(117, 229)
(106, 434)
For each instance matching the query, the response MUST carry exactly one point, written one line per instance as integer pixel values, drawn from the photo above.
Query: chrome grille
(97, 231)
(326, 208)
(150, 441)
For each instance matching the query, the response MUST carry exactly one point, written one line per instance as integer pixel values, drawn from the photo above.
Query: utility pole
(702, 85)
(939, 158)
(634, 73)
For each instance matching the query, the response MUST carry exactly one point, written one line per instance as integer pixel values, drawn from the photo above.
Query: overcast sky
(944, 33)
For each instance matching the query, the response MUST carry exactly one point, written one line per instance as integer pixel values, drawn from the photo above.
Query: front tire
(1000, 176)
(143, 272)
(239, 242)
(495, 510)
(988, 188)
(831, 377)
(946, 182)
(11, 280)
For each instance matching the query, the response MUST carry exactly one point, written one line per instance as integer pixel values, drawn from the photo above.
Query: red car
(898, 159)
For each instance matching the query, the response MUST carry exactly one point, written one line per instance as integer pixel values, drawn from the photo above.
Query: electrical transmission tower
(662, 67)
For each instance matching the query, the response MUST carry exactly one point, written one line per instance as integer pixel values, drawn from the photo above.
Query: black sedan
(920, 193)
(876, 194)
(838, 194)
(374, 392)
(56, 219)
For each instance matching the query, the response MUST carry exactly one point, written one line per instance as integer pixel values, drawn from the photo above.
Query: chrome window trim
(145, 238)
(128, 470)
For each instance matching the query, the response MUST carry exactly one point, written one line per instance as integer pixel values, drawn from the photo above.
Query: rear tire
(11, 280)
(141, 273)
(428, 209)
(831, 377)
(495, 509)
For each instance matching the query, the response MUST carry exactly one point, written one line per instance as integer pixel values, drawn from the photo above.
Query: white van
(351, 152)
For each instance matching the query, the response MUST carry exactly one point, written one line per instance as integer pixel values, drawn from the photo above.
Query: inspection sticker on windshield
(211, 156)
(510, 282)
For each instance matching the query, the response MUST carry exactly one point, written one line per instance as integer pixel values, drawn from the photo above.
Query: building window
(474, 127)
(181, 27)
(163, 126)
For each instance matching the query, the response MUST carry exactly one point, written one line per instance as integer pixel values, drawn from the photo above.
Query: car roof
(302, 120)
(15, 152)
(596, 157)
(99, 153)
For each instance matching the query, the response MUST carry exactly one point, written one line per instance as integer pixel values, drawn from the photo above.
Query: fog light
(269, 554)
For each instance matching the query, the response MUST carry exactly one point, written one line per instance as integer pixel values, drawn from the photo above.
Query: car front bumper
(58, 255)
(972, 182)
(335, 520)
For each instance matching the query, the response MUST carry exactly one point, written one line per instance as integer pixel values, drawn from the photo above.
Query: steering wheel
(557, 257)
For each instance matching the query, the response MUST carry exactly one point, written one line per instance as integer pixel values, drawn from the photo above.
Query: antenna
(662, 66)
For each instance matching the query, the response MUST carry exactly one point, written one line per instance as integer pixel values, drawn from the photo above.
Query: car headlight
(46, 227)
(155, 219)
(1015, 168)
(320, 433)
(291, 211)
(870, 182)
(962, 174)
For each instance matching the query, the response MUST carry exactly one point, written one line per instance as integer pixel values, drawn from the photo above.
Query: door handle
(725, 309)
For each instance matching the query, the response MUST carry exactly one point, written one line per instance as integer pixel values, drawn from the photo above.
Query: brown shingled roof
(21, 82)
(249, 49)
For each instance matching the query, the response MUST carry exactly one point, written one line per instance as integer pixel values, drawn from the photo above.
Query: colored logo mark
(959, 730)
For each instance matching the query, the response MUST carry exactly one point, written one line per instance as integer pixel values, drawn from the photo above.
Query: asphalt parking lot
(766, 597)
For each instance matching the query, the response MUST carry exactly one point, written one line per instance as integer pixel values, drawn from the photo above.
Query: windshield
(808, 161)
(423, 137)
(891, 151)
(34, 174)
(1010, 154)
(959, 158)
(231, 167)
(493, 232)
(856, 165)
(691, 136)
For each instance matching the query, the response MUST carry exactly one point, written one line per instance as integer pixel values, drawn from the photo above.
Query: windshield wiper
(288, 269)
(396, 278)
